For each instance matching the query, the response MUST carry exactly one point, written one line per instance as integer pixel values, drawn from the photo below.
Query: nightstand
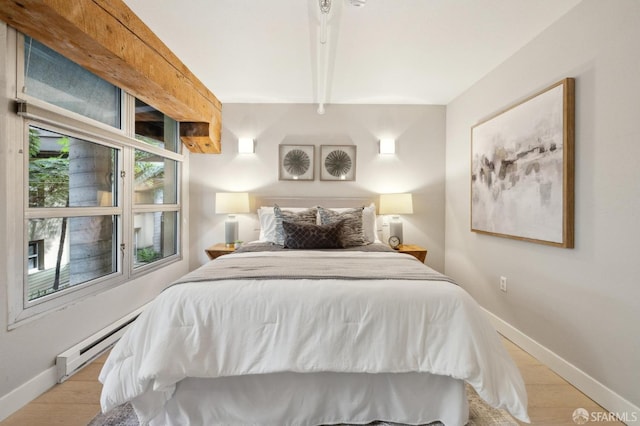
(416, 251)
(218, 250)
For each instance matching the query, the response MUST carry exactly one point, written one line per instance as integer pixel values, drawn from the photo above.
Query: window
(65, 171)
(77, 251)
(155, 190)
(101, 199)
(67, 174)
(35, 256)
(155, 128)
(155, 236)
(53, 78)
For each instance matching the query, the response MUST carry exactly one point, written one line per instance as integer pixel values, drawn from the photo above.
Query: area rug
(480, 414)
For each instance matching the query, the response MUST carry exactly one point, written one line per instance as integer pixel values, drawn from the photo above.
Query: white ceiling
(386, 52)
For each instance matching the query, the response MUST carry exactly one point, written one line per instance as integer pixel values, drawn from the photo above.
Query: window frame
(137, 271)
(22, 94)
(38, 113)
(55, 212)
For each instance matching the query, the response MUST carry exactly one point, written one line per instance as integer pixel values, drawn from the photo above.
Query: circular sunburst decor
(296, 162)
(337, 163)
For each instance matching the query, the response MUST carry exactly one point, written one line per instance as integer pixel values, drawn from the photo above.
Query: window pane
(53, 78)
(155, 128)
(155, 236)
(76, 250)
(66, 171)
(155, 179)
(35, 257)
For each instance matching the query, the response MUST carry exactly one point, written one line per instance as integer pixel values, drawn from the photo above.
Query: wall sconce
(231, 203)
(387, 146)
(395, 205)
(246, 146)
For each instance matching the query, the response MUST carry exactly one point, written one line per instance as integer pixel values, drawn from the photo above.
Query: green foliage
(48, 176)
(64, 143)
(34, 142)
(147, 255)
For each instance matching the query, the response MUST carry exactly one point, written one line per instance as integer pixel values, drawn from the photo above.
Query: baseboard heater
(73, 359)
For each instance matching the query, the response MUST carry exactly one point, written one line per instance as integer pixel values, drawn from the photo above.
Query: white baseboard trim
(21, 396)
(595, 390)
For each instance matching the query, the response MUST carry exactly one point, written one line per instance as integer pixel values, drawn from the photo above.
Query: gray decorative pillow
(306, 216)
(300, 235)
(352, 231)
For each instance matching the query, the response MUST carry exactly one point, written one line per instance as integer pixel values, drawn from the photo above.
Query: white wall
(417, 167)
(583, 303)
(28, 352)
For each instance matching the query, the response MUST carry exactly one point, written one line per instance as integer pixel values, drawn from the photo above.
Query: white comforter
(238, 327)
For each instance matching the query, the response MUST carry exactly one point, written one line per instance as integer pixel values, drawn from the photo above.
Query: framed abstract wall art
(338, 162)
(296, 162)
(522, 169)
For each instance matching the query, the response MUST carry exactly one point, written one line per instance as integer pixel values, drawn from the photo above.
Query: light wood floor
(76, 401)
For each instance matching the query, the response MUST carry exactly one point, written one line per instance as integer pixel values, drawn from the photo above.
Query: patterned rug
(480, 414)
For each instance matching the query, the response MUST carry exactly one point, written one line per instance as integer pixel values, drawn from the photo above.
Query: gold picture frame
(522, 169)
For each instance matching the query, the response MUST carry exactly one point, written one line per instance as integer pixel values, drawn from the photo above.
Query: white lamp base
(230, 230)
(395, 228)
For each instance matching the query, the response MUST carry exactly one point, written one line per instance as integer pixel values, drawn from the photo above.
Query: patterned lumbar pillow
(306, 216)
(352, 233)
(300, 235)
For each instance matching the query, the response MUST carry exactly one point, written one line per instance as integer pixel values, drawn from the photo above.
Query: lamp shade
(232, 202)
(396, 204)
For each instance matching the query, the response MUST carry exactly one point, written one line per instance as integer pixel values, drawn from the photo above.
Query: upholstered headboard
(330, 202)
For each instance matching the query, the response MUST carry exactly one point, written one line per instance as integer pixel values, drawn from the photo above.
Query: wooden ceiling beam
(107, 38)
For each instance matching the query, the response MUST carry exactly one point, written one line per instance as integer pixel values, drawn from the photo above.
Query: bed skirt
(316, 399)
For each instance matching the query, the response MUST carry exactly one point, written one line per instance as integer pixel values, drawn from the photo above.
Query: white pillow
(369, 222)
(267, 219)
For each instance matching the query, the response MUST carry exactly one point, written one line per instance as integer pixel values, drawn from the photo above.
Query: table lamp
(395, 205)
(231, 203)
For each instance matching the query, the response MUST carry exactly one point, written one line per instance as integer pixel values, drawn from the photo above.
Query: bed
(311, 335)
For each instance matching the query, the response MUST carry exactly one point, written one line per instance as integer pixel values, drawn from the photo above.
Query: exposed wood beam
(107, 38)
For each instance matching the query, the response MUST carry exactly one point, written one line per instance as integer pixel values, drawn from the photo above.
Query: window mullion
(145, 208)
(126, 233)
(45, 213)
(15, 160)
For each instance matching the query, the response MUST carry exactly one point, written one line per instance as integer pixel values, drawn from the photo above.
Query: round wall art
(337, 162)
(296, 162)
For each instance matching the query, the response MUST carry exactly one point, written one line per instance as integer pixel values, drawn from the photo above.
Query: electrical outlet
(503, 284)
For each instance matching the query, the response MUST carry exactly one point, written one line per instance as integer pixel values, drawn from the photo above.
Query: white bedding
(250, 327)
(312, 399)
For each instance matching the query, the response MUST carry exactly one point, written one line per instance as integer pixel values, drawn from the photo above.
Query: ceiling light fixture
(357, 3)
(325, 8)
